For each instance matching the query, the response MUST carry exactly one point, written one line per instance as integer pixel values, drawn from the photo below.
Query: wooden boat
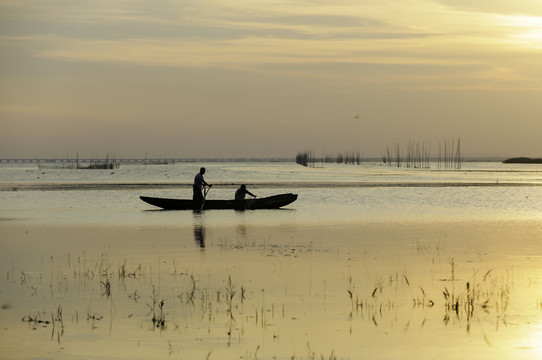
(271, 202)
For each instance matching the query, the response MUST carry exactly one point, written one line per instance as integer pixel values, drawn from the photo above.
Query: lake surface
(371, 262)
(333, 194)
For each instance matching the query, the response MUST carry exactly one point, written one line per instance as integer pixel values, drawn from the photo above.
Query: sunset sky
(262, 78)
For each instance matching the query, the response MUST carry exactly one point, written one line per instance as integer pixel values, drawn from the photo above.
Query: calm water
(370, 262)
(334, 194)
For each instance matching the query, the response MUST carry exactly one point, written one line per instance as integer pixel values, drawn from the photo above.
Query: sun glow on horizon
(533, 35)
(527, 29)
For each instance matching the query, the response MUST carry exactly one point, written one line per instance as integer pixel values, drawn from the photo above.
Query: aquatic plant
(106, 285)
(157, 310)
(230, 293)
(35, 320)
(123, 273)
(218, 306)
(356, 303)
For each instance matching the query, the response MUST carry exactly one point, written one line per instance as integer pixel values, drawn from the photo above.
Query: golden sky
(193, 78)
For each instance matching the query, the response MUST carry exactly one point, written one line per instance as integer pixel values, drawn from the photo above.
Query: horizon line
(216, 159)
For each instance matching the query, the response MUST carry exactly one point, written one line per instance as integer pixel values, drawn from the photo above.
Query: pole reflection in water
(199, 229)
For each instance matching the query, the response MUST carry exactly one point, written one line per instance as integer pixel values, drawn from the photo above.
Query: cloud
(504, 7)
(158, 67)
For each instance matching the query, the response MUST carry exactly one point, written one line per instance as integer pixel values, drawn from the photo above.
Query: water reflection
(200, 226)
(242, 231)
(241, 226)
(531, 340)
(199, 229)
(199, 235)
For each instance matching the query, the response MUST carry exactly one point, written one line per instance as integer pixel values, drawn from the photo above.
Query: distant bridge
(146, 161)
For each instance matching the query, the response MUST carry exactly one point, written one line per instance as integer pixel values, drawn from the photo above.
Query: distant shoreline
(150, 161)
(522, 160)
(202, 160)
(305, 185)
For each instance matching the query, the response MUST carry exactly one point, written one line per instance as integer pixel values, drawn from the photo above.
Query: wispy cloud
(505, 7)
(451, 40)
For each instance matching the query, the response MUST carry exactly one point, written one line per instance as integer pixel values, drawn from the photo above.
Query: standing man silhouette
(199, 183)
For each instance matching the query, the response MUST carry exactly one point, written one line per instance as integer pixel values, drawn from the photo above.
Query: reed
(349, 158)
(417, 155)
(157, 309)
(303, 158)
(35, 320)
(308, 159)
(224, 306)
(488, 295)
(106, 287)
(229, 294)
(449, 154)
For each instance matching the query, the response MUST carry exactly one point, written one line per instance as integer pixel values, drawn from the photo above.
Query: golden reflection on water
(533, 343)
(368, 291)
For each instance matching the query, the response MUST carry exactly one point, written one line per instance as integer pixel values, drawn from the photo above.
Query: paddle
(205, 191)
(249, 202)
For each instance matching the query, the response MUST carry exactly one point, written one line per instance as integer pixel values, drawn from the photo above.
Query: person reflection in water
(199, 235)
(242, 192)
(199, 183)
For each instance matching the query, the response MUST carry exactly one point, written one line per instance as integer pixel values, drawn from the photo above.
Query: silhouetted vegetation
(307, 158)
(415, 155)
(304, 158)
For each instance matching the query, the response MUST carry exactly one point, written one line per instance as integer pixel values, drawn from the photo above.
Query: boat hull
(271, 202)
